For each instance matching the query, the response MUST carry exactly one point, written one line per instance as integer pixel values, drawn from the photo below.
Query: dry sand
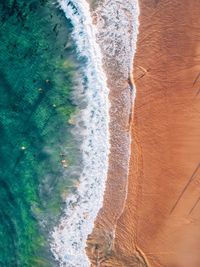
(160, 222)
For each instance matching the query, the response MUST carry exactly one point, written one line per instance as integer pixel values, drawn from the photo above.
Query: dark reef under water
(36, 70)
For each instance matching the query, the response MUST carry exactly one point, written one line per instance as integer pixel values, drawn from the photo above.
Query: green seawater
(36, 72)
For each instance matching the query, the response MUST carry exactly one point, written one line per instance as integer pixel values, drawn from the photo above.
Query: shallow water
(36, 71)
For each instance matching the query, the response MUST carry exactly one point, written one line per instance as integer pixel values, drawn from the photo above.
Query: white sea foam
(69, 237)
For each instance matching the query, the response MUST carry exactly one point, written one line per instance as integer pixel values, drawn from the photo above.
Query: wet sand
(160, 220)
(107, 18)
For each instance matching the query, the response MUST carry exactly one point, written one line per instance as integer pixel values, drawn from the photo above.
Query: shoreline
(159, 225)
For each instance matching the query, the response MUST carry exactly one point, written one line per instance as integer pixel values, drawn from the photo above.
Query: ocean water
(54, 124)
(38, 151)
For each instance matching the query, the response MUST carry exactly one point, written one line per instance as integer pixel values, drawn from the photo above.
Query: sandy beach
(160, 218)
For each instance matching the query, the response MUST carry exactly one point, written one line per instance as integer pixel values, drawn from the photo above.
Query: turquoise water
(36, 70)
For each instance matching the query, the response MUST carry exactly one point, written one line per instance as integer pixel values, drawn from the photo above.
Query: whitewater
(107, 45)
(69, 237)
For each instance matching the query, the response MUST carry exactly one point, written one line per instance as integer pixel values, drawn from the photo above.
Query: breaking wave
(69, 237)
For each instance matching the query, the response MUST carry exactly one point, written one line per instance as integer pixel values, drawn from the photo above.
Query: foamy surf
(69, 237)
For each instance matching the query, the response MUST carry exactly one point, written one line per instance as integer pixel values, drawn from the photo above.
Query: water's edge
(117, 23)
